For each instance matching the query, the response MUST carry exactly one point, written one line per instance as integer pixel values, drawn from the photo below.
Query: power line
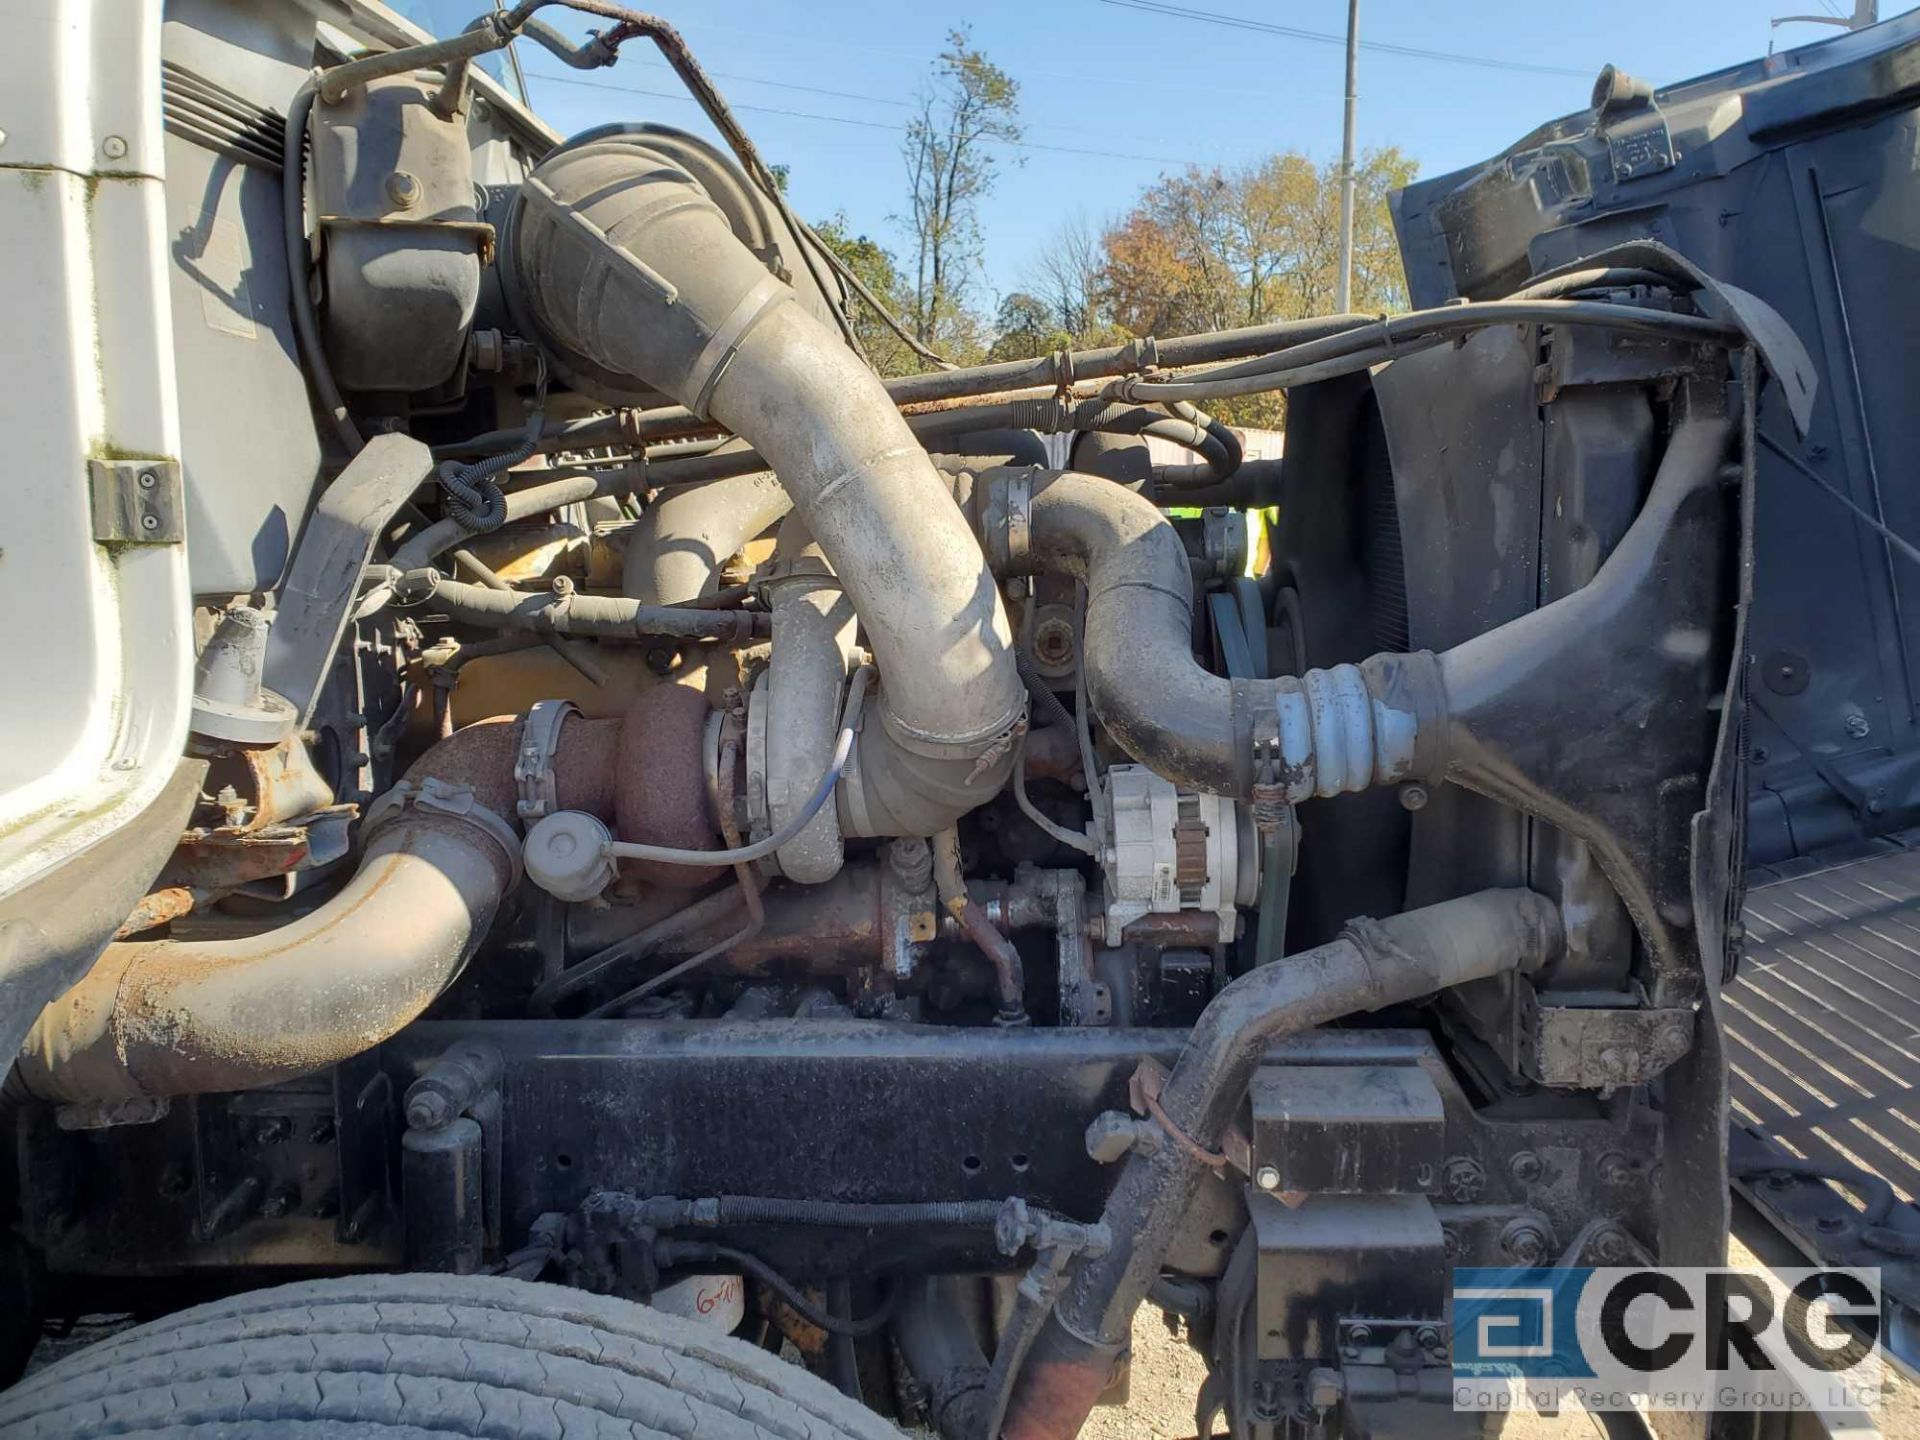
(877, 100)
(1321, 37)
(850, 120)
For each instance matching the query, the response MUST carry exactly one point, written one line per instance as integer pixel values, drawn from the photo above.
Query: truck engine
(654, 808)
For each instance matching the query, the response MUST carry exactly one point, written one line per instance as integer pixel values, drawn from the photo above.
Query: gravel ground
(1167, 1375)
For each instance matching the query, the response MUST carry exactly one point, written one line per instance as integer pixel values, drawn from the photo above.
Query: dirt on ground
(1167, 1373)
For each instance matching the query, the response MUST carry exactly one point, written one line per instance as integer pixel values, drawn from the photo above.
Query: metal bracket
(533, 766)
(137, 502)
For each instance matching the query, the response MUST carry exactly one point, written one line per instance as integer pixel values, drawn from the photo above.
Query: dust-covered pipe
(1373, 964)
(1326, 732)
(675, 550)
(190, 1017)
(631, 270)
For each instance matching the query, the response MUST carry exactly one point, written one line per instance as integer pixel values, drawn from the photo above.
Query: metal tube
(1326, 732)
(686, 307)
(675, 552)
(1373, 964)
(1344, 295)
(192, 1017)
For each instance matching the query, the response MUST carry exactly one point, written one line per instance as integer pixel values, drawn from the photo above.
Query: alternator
(1170, 849)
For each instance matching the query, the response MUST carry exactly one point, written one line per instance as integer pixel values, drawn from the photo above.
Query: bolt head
(147, 479)
(403, 189)
(1267, 1178)
(1414, 796)
(1524, 1243)
(1525, 1167)
(114, 148)
(149, 522)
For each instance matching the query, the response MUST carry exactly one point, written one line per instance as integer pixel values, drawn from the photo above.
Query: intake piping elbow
(631, 271)
(1326, 732)
(192, 1017)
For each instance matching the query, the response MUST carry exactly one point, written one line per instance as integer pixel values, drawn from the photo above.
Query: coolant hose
(191, 1017)
(1371, 965)
(1323, 733)
(629, 269)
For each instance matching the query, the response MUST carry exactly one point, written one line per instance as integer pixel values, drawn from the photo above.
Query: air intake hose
(629, 270)
(1326, 732)
(189, 1017)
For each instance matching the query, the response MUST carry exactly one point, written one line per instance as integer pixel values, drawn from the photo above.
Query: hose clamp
(443, 797)
(711, 363)
(1140, 355)
(533, 766)
(1019, 523)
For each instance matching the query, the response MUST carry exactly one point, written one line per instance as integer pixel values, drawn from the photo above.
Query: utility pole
(1865, 13)
(1346, 159)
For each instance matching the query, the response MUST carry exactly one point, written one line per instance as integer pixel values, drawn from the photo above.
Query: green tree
(1208, 249)
(968, 107)
(1026, 327)
(880, 273)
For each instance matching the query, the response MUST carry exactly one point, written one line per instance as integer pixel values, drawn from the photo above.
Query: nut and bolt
(1525, 1167)
(1053, 642)
(1463, 1179)
(272, 1129)
(1857, 726)
(1524, 1242)
(1357, 1339)
(912, 861)
(562, 586)
(1267, 1178)
(1830, 1224)
(1614, 1169)
(1429, 1338)
(1611, 1246)
(403, 189)
(279, 1201)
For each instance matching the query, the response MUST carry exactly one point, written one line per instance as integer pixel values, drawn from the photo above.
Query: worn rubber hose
(681, 304)
(1373, 964)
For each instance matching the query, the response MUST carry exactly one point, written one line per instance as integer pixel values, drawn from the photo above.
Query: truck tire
(406, 1357)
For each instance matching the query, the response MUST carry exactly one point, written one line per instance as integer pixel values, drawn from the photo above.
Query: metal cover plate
(1349, 1129)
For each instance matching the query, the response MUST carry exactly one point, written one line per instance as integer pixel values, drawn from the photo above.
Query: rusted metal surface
(222, 859)
(162, 907)
(660, 785)
(177, 1018)
(481, 756)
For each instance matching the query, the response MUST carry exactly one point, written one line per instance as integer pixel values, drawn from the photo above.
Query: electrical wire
(795, 1298)
(1324, 37)
(741, 855)
(1065, 836)
(866, 124)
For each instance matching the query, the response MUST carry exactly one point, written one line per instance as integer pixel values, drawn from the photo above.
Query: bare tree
(969, 106)
(1066, 276)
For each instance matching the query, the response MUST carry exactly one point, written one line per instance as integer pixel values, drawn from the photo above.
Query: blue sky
(1152, 91)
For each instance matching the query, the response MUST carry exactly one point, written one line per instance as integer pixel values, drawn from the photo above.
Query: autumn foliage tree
(1209, 249)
